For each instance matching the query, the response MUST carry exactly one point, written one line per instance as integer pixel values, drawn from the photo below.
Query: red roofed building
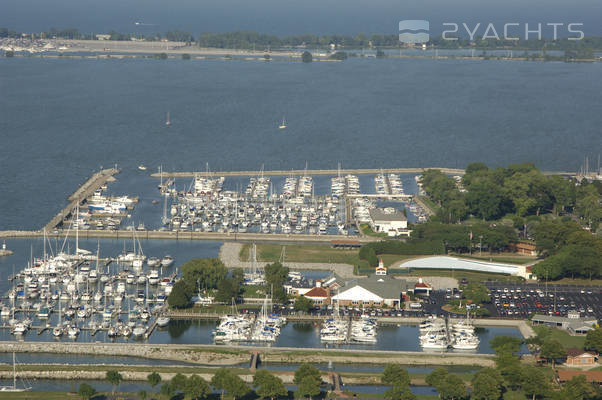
(319, 296)
(422, 287)
(577, 357)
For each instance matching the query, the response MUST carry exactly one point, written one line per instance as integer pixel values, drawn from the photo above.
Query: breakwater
(236, 354)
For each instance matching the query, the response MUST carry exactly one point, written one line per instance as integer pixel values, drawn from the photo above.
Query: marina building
(390, 221)
(373, 291)
(573, 323)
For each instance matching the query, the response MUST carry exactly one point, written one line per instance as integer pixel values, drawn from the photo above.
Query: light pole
(481, 246)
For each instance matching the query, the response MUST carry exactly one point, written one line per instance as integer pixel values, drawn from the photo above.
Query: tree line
(520, 190)
(509, 379)
(211, 277)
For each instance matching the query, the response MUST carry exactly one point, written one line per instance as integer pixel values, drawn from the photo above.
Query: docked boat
(167, 261)
(162, 321)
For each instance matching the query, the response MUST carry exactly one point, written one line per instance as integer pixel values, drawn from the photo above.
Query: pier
(333, 172)
(308, 172)
(87, 189)
(176, 235)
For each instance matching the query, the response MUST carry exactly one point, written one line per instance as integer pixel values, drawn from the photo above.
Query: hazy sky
(285, 17)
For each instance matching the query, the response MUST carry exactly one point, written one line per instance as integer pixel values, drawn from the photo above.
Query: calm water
(283, 18)
(62, 119)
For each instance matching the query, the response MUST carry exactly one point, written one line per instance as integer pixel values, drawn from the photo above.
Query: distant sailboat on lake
(168, 122)
(283, 125)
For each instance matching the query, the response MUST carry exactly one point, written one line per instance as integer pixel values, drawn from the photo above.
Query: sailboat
(14, 388)
(141, 167)
(168, 121)
(283, 124)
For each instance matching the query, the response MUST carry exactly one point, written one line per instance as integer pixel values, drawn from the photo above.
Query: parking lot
(521, 300)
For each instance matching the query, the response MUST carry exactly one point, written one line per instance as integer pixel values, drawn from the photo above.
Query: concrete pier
(87, 189)
(171, 235)
(301, 172)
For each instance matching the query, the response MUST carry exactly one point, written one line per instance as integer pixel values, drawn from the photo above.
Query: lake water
(62, 119)
(285, 18)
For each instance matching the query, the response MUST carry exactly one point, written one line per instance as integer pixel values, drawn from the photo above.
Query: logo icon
(413, 31)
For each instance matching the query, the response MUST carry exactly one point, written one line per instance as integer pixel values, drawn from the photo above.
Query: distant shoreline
(131, 49)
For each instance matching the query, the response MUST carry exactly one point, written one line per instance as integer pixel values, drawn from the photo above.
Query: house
(578, 358)
(565, 375)
(573, 323)
(389, 220)
(524, 248)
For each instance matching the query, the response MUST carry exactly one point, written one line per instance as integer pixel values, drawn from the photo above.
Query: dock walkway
(87, 189)
(309, 172)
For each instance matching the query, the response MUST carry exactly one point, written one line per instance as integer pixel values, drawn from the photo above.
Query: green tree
(196, 387)
(178, 382)
(593, 340)
(436, 377)
(535, 382)
(505, 344)
(167, 390)
(304, 304)
(509, 367)
(487, 384)
(399, 392)
(153, 379)
(268, 385)
(276, 275)
(227, 382)
(86, 391)
(267, 57)
(452, 388)
(180, 295)
(578, 388)
(9, 54)
(142, 394)
(114, 378)
(394, 374)
(207, 272)
(308, 380)
(227, 289)
(306, 57)
(476, 292)
(552, 350)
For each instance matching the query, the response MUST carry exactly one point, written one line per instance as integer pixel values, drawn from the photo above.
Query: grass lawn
(253, 291)
(303, 253)
(366, 230)
(562, 336)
